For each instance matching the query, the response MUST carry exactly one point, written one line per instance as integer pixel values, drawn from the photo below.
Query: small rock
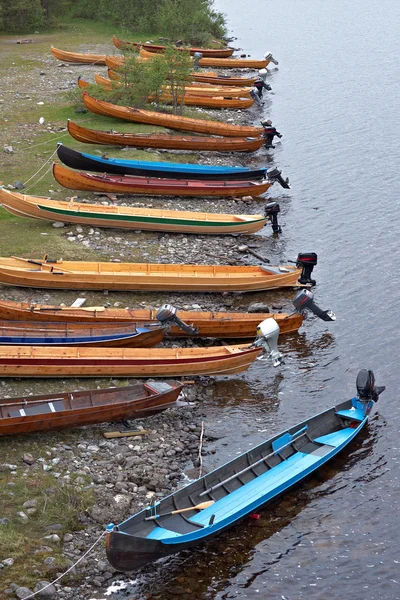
(46, 590)
(68, 537)
(30, 503)
(8, 149)
(28, 458)
(8, 562)
(52, 538)
(23, 517)
(23, 592)
(58, 224)
(18, 185)
(256, 307)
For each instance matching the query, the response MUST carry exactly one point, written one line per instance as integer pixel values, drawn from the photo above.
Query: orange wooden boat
(114, 62)
(126, 217)
(224, 63)
(159, 49)
(77, 409)
(194, 89)
(39, 361)
(126, 184)
(81, 275)
(124, 335)
(149, 117)
(76, 58)
(209, 324)
(161, 140)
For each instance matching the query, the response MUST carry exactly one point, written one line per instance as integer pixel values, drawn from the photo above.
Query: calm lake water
(335, 99)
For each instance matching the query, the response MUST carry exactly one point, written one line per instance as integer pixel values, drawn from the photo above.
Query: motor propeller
(304, 300)
(167, 315)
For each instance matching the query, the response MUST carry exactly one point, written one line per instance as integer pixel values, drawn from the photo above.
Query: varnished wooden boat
(76, 58)
(190, 98)
(114, 62)
(126, 184)
(159, 49)
(217, 501)
(149, 117)
(81, 275)
(120, 166)
(39, 361)
(192, 89)
(30, 333)
(77, 409)
(209, 324)
(221, 63)
(161, 140)
(123, 217)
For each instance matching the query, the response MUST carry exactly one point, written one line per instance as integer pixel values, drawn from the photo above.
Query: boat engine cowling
(272, 210)
(269, 133)
(167, 316)
(263, 74)
(306, 261)
(366, 388)
(267, 338)
(304, 300)
(276, 175)
(268, 56)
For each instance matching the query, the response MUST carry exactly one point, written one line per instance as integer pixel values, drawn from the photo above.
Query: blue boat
(117, 166)
(221, 498)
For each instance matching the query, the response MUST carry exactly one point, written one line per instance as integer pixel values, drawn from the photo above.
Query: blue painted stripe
(54, 341)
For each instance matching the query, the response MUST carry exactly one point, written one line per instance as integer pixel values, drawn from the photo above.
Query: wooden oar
(200, 506)
(87, 308)
(41, 264)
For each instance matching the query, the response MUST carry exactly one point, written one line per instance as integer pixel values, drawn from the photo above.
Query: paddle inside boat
(218, 500)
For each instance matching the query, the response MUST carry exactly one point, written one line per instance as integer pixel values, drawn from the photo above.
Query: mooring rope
(68, 570)
(200, 449)
(42, 167)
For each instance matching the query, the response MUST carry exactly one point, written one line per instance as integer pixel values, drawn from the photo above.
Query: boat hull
(21, 361)
(206, 52)
(125, 184)
(155, 140)
(148, 117)
(77, 58)
(221, 63)
(210, 324)
(83, 408)
(129, 218)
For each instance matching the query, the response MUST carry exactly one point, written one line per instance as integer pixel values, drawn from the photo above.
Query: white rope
(42, 167)
(37, 181)
(68, 570)
(200, 448)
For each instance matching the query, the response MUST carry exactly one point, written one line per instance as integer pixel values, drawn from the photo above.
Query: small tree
(180, 66)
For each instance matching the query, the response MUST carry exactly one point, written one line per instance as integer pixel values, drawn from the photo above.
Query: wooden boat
(161, 140)
(222, 63)
(201, 89)
(76, 409)
(127, 184)
(122, 217)
(75, 57)
(218, 500)
(119, 166)
(81, 275)
(149, 117)
(209, 324)
(114, 62)
(159, 49)
(30, 333)
(40, 361)
(189, 99)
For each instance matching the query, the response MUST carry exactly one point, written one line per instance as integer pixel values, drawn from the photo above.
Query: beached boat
(120, 166)
(214, 101)
(76, 409)
(218, 500)
(148, 117)
(77, 58)
(201, 89)
(81, 275)
(128, 184)
(30, 333)
(225, 325)
(166, 141)
(123, 217)
(40, 361)
(224, 63)
(114, 62)
(159, 49)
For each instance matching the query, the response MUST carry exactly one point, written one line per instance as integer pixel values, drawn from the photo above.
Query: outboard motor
(304, 300)
(367, 391)
(307, 261)
(276, 175)
(255, 96)
(267, 338)
(269, 133)
(196, 57)
(262, 73)
(272, 210)
(167, 316)
(268, 56)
